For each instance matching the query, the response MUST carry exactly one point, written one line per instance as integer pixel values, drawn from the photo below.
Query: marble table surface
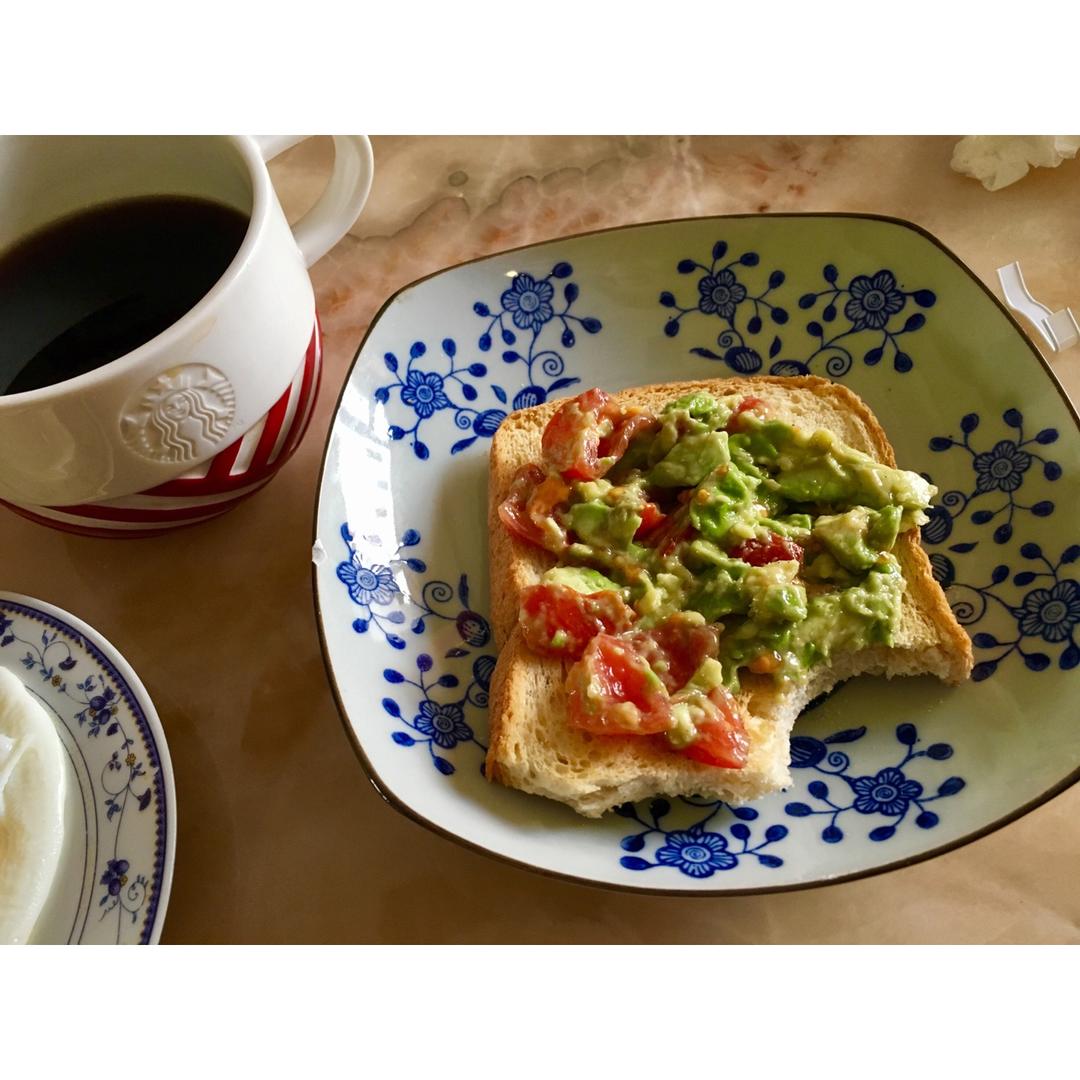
(281, 837)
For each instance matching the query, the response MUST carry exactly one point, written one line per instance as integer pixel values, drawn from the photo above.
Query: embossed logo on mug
(180, 416)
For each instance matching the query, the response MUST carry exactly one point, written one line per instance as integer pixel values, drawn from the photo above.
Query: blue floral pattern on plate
(427, 392)
(429, 386)
(1000, 470)
(870, 303)
(529, 304)
(439, 723)
(1048, 613)
(372, 585)
(889, 792)
(695, 850)
(436, 723)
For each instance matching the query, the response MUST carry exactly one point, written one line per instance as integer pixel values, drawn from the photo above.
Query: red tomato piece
(614, 445)
(676, 649)
(721, 736)
(748, 404)
(551, 492)
(571, 440)
(513, 512)
(674, 539)
(776, 548)
(651, 517)
(518, 525)
(612, 690)
(557, 613)
(675, 528)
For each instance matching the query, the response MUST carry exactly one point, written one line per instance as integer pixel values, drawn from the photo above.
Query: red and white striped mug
(185, 426)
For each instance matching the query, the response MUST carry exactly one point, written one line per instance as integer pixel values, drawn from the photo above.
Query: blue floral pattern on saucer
(123, 865)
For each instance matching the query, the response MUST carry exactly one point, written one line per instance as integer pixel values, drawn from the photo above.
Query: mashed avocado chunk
(712, 413)
(582, 579)
(816, 467)
(685, 713)
(846, 619)
(776, 596)
(857, 538)
(690, 460)
(851, 618)
(725, 501)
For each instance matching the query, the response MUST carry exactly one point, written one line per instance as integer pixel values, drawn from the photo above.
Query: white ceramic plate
(112, 886)
(884, 774)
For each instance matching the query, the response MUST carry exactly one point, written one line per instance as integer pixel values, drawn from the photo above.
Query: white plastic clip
(1058, 328)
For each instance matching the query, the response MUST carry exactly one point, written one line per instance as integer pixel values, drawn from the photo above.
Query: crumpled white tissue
(999, 160)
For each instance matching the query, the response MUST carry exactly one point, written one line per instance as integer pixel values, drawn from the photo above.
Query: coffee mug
(182, 428)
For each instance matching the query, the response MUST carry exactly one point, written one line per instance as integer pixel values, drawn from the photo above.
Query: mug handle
(340, 204)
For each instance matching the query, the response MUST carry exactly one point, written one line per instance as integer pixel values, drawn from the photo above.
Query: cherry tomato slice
(676, 648)
(651, 517)
(559, 621)
(761, 552)
(671, 531)
(748, 404)
(513, 512)
(551, 492)
(612, 690)
(614, 445)
(721, 736)
(518, 525)
(674, 539)
(571, 440)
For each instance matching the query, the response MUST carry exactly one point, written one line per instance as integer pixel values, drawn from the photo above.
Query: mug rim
(252, 158)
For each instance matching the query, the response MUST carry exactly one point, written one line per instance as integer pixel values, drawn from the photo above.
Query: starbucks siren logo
(180, 416)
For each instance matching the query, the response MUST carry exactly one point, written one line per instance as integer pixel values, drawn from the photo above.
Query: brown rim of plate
(398, 804)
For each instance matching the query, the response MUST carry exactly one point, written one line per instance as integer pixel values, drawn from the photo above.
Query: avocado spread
(783, 537)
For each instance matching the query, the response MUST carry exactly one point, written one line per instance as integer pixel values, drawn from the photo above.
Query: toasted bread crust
(531, 745)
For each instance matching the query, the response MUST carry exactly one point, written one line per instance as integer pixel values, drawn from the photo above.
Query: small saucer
(112, 886)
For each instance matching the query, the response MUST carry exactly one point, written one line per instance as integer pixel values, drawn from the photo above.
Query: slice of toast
(532, 745)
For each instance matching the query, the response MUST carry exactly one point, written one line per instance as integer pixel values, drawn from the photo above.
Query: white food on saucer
(33, 786)
(999, 160)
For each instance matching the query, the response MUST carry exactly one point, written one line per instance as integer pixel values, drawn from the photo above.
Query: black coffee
(91, 287)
